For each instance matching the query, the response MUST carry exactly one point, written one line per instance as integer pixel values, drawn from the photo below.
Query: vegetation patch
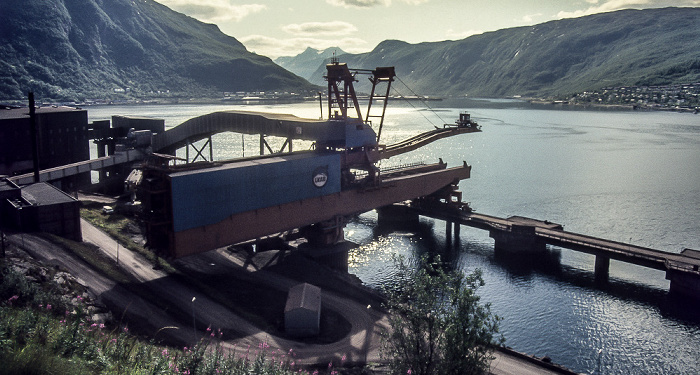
(44, 331)
(118, 227)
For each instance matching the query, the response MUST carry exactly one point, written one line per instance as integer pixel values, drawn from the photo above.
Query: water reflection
(626, 176)
(549, 307)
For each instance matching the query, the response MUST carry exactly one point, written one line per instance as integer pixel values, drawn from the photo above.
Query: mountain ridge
(304, 64)
(75, 49)
(555, 58)
(78, 48)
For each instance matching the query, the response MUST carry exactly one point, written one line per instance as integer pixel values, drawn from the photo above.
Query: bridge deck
(687, 261)
(79, 167)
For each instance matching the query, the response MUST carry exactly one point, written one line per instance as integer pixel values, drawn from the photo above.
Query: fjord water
(628, 176)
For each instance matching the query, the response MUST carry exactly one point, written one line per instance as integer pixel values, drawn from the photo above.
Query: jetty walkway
(521, 235)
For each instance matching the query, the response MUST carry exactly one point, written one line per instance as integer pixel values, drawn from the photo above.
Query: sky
(276, 28)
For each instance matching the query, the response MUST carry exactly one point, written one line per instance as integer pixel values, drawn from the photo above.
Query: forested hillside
(73, 49)
(629, 47)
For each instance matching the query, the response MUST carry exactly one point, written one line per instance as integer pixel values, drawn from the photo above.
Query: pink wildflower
(48, 306)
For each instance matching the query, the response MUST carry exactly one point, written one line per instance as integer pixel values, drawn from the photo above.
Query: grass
(91, 255)
(44, 332)
(116, 225)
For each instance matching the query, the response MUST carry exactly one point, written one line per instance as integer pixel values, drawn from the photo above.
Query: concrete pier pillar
(395, 215)
(684, 284)
(101, 152)
(335, 256)
(327, 243)
(458, 228)
(448, 233)
(602, 268)
(521, 239)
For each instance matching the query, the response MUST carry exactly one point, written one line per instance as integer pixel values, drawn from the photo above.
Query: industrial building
(302, 312)
(39, 207)
(201, 206)
(62, 138)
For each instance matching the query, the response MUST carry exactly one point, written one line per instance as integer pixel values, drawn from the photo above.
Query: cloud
(273, 47)
(600, 6)
(213, 10)
(458, 35)
(358, 3)
(370, 3)
(333, 28)
(528, 18)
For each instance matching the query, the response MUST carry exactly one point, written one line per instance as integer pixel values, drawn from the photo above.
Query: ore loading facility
(196, 207)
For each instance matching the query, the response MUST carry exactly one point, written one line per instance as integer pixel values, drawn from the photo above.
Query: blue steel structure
(207, 196)
(202, 206)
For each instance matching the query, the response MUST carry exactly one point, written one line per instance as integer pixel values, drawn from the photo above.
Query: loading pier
(518, 235)
(200, 206)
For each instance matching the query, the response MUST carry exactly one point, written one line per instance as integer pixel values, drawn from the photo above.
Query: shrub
(437, 323)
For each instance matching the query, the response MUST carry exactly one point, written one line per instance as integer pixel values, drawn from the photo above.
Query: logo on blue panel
(320, 176)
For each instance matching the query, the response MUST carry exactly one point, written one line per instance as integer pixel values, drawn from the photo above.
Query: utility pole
(34, 134)
(194, 322)
(2, 239)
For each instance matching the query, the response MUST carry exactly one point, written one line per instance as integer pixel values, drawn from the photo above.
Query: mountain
(622, 48)
(68, 49)
(305, 64)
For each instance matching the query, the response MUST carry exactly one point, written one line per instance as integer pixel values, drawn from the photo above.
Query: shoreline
(562, 104)
(535, 102)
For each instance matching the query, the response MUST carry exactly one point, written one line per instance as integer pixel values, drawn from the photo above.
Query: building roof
(304, 296)
(23, 112)
(44, 194)
(193, 169)
(7, 185)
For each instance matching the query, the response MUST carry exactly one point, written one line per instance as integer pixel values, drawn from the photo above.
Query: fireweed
(39, 330)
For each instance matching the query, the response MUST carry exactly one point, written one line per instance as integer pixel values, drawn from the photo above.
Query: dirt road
(360, 346)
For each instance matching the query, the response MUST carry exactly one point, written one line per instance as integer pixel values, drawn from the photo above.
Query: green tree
(437, 324)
